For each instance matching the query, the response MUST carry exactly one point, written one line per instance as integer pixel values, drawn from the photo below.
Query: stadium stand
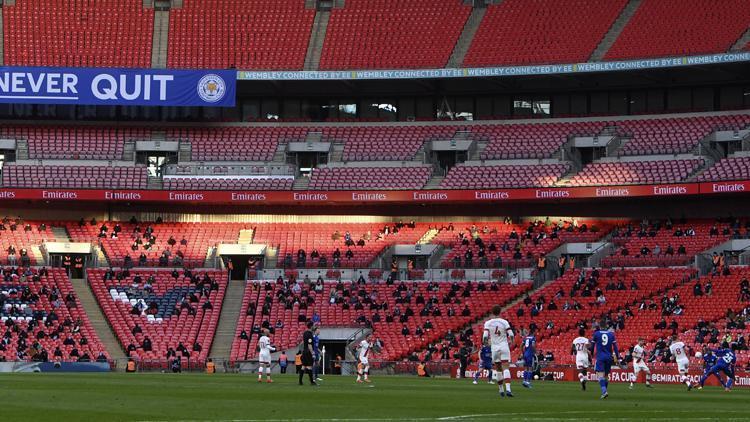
(43, 319)
(665, 243)
(663, 28)
(672, 136)
(506, 245)
(519, 32)
(74, 143)
(351, 304)
(636, 172)
(169, 311)
(526, 140)
(78, 33)
(19, 237)
(377, 34)
(367, 241)
(234, 34)
(384, 143)
(156, 244)
(236, 143)
(731, 168)
(375, 178)
(94, 177)
(510, 176)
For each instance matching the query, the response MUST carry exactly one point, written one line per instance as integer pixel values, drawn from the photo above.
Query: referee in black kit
(307, 354)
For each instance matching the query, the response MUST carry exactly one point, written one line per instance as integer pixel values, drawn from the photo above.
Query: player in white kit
(639, 363)
(679, 355)
(264, 356)
(582, 349)
(363, 366)
(497, 333)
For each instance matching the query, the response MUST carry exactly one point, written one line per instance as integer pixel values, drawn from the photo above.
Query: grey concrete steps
(98, 320)
(615, 30)
(317, 38)
(230, 314)
(467, 36)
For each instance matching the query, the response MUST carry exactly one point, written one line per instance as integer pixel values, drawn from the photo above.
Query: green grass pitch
(230, 397)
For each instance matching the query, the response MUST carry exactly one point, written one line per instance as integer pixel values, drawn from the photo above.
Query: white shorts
(682, 365)
(638, 367)
(582, 362)
(364, 361)
(500, 353)
(264, 358)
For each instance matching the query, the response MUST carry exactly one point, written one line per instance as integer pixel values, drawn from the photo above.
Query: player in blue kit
(725, 361)
(709, 360)
(606, 352)
(485, 362)
(316, 353)
(529, 355)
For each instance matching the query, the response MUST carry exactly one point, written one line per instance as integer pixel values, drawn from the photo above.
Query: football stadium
(374, 210)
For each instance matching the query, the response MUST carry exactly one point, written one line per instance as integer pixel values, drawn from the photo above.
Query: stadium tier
(225, 34)
(518, 32)
(660, 245)
(731, 168)
(78, 33)
(43, 319)
(636, 172)
(374, 178)
(86, 177)
(511, 176)
(498, 245)
(151, 244)
(74, 143)
(665, 28)
(433, 308)
(390, 34)
(152, 312)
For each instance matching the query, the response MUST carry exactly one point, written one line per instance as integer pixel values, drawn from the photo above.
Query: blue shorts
(528, 360)
(485, 364)
(603, 365)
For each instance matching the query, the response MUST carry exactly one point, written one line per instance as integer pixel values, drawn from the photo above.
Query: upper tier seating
(236, 143)
(221, 34)
(384, 143)
(44, 310)
(228, 183)
(173, 311)
(292, 309)
(636, 172)
(667, 28)
(74, 143)
(491, 177)
(78, 33)
(732, 168)
(631, 241)
(374, 178)
(672, 136)
(527, 140)
(518, 32)
(84, 177)
(377, 34)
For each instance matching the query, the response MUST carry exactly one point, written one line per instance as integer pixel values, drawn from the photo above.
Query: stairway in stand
(230, 314)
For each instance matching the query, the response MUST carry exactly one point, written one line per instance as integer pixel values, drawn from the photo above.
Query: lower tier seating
(158, 314)
(43, 320)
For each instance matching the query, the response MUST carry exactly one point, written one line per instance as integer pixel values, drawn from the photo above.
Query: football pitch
(230, 397)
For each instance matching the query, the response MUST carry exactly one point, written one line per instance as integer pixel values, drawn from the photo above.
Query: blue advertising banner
(129, 87)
